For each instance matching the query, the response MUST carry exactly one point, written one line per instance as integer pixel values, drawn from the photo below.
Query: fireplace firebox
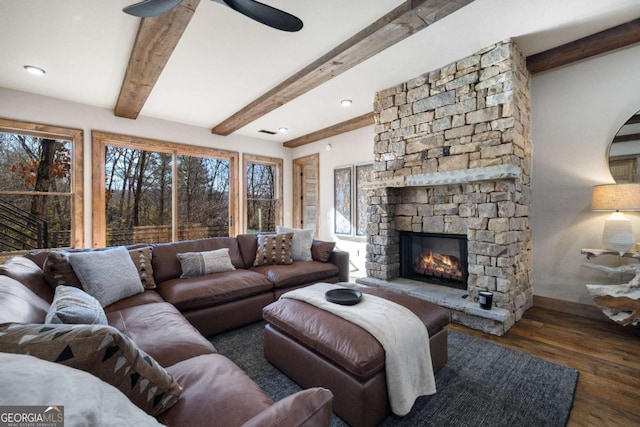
(439, 259)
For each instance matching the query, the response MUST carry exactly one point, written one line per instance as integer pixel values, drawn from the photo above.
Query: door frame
(298, 166)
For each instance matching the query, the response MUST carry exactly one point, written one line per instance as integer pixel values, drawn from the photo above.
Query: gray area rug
(482, 384)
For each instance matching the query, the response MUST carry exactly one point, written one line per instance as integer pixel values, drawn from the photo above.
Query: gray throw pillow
(301, 243)
(74, 306)
(196, 264)
(108, 275)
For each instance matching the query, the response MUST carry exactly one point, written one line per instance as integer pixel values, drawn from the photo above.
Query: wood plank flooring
(607, 356)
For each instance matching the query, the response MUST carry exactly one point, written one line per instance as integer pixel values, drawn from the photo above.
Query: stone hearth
(453, 155)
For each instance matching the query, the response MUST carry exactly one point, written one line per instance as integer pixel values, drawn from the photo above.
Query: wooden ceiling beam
(400, 23)
(156, 39)
(595, 44)
(342, 127)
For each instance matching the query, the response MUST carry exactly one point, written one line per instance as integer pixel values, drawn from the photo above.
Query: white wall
(39, 109)
(351, 148)
(576, 112)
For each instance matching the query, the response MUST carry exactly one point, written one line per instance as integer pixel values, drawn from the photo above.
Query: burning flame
(440, 265)
(445, 262)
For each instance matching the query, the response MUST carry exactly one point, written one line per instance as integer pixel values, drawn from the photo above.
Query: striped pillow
(74, 306)
(196, 264)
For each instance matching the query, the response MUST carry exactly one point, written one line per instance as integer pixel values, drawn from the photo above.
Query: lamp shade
(616, 197)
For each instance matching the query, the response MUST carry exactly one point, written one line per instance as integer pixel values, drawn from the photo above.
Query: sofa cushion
(142, 260)
(233, 399)
(274, 249)
(161, 331)
(29, 274)
(18, 304)
(74, 306)
(310, 407)
(102, 351)
(299, 273)
(165, 261)
(321, 251)
(301, 243)
(96, 269)
(27, 380)
(213, 289)
(194, 264)
(147, 297)
(58, 270)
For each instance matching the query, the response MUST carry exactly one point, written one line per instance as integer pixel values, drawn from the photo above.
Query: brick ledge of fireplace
(496, 321)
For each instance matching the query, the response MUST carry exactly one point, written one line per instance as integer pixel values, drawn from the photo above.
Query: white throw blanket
(400, 332)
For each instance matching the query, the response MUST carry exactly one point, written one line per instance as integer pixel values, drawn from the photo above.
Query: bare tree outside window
(138, 196)
(203, 197)
(147, 182)
(263, 178)
(36, 189)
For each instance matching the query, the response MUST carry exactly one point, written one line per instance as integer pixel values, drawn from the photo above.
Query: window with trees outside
(153, 191)
(41, 198)
(263, 193)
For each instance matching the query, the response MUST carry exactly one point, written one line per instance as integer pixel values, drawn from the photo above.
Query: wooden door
(306, 192)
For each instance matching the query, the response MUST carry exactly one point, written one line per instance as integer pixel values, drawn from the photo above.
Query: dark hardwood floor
(607, 356)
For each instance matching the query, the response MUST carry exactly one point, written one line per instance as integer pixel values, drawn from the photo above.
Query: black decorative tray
(343, 296)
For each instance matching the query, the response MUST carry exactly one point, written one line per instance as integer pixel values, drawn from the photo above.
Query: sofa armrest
(341, 259)
(308, 408)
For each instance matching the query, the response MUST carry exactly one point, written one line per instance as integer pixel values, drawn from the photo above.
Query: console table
(621, 303)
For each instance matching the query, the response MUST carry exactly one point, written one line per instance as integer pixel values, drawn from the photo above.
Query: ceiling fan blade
(149, 8)
(265, 14)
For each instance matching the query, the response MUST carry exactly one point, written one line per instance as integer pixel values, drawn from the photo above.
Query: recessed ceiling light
(282, 130)
(34, 70)
(346, 102)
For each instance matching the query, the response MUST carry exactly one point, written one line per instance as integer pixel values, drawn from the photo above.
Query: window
(153, 191)
(41, 198)
(263, 193)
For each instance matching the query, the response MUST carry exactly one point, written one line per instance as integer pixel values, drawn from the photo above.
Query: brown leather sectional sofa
(169, 323)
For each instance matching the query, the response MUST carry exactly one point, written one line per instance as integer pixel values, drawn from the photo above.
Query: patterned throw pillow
(274, 249)
(142, 260)
(301, 243)
(58, 271)
(74, 306)
(196, 264)
(102, 351)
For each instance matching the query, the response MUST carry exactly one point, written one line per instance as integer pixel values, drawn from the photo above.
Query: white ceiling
(224, 60)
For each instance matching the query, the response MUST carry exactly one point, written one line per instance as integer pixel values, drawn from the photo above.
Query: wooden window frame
(100, 140)
(76, 136)
(265, 160)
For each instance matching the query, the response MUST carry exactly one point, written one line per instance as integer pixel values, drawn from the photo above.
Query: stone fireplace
(453, 156)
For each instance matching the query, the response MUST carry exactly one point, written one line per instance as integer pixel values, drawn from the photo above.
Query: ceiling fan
(262, 13)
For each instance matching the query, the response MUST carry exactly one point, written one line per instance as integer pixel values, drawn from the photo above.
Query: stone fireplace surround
(453, 155)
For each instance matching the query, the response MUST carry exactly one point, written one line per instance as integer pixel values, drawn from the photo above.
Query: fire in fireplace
(434, 258)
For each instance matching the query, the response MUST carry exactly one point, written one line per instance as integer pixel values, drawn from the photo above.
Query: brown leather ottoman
(317, 348)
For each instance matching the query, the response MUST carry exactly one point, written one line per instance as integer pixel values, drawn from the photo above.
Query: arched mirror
(624, 152)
